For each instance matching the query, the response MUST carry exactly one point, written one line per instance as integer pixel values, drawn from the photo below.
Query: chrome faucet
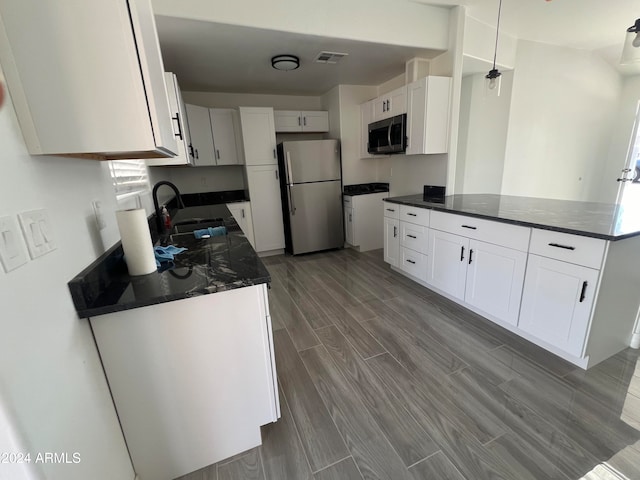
(159, 221)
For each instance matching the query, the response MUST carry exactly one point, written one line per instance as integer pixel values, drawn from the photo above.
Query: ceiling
(215, 57)
(227, 58)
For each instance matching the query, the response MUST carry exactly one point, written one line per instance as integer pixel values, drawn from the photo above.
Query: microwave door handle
(389, 134)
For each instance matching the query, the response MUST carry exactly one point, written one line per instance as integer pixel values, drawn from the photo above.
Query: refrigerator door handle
(292, 207)
(289, 169)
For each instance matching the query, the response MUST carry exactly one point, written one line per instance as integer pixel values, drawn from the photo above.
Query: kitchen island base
(192, 380)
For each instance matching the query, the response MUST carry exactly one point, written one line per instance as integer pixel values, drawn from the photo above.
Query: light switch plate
(12, 252)
(38, 232)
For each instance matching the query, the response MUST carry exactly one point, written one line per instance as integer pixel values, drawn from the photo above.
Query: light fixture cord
(495, 51)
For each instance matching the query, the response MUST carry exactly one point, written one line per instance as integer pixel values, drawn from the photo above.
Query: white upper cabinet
(180, 126)
(305, 121)
(201, 136)
(87, 78)
(390, 104)
(428, 115)
(224, 136)
(258, 135)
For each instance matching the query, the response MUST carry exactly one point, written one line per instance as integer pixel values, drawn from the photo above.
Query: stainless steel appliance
(311, 186)
(388, 135)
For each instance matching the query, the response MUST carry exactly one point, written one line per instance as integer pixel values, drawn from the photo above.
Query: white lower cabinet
(363, 223)
(557, 302)
(414, 263)
(241, 212)
(446, 265)
(349, 222)
(266, 205)
(192, 380)
(495, 275)
(392, 241)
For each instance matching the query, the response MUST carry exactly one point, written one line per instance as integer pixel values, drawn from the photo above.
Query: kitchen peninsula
(561, 274)
(188, 350)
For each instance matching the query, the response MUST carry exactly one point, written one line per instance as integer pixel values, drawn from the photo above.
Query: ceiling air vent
(330, 57)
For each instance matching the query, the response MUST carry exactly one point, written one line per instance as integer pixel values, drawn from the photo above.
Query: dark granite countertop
(590, 219)
(208, 266)
(365, 188)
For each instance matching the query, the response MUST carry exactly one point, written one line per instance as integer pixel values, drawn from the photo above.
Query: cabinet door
(201, 136)
(224, 136)
(557, 301)
(428, 115)
(82, 90)
(287, 120)
(349, 222)
(258, 136)
(315, 121)
(380, 108)
(180, 127)
(495, 276)
(397, 102)
(241, 212)
(391, 241)
(264, 189)
(416, 116)
(447, 262)
(366, 117)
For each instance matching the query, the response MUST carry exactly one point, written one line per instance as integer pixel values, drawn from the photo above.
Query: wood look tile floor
(381, 378)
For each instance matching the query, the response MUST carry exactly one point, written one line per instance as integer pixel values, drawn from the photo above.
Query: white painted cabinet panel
(266, 206)
(390, 104)
(349, 225)
(557, 301)
(87, 78)
(495, 276)
(180, 126)
(428, 115)
(224, 136)
(258, 135)
(192, 380)
(366, 231)
(392, 241)
(447, 262)
(241, 212)
(414, 263)
(201, 136)
(301, 121)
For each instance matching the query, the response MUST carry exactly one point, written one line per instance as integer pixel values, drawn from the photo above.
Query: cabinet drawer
(576, 249)
(414, 263)
(391, 210)
(415, 215)
(498, 233)
(415, 237)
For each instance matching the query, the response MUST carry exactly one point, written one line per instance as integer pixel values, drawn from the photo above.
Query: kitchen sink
(188, 226)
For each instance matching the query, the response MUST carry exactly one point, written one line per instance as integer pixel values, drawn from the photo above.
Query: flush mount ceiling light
(631, 49)
(492, 82)
(285, 62)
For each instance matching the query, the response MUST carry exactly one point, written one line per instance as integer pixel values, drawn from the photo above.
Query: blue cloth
(211, 232)
(166, 254)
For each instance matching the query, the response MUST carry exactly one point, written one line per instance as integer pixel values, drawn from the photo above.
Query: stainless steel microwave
(388, 136)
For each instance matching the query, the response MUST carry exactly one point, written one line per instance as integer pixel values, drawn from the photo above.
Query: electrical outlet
(97, 213)
(12, 252)
(38, 232)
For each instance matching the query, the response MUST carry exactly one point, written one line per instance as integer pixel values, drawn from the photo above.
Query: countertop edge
(583, 233)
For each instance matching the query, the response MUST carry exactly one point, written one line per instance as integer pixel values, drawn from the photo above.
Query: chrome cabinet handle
(461, 254)
(469, 227)
(299, 122)
(305, 121)
(412, 214)
(395, 231)
(558, 245)
(411, 261)
(470, 256)
(412, 236)
(390, 210)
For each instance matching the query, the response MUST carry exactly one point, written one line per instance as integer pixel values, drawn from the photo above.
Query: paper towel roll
(136, 241)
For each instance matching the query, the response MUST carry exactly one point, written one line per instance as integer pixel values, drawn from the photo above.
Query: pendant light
(494, 77)
(631, 50)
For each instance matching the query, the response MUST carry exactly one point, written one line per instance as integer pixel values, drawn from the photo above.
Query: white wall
(234, 100)
(622, 130)
(563, 106)
(208, 179)
(51, 381)
(396, 23)
(482, 135)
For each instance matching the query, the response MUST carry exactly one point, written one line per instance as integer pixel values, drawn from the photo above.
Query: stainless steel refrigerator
(311, 187)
